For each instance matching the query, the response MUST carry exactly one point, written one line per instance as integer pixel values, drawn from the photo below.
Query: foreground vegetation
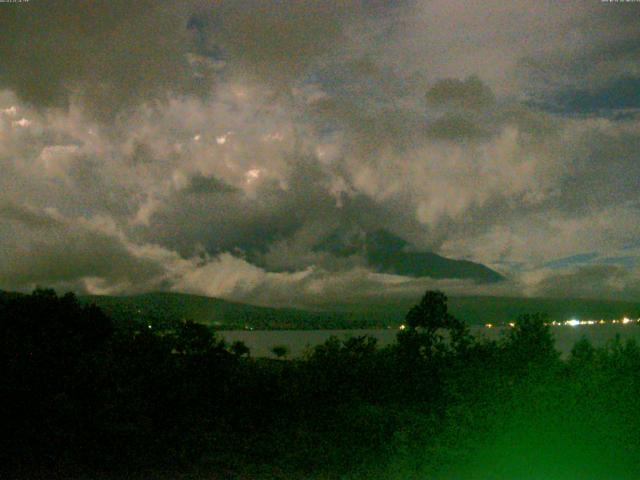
(85, 397)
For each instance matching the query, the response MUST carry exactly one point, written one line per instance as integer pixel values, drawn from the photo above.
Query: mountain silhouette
(388, 253)
(157, 307)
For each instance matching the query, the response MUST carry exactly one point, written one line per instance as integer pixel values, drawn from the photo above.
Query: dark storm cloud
(469, 94)
(604, 165)
(108, 53)
(591, 281)
(274, 228)
(112, 55)
(27, 217)
(278, 41)
(600, 49)
(455, 127)
(572, 260)
(41, 248)
(459, 107)
(202, 185)
(616, 98)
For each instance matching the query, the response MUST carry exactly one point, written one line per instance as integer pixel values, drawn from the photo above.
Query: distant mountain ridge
(388, 253)
(217, 312)
(476, 310)
(223, 314)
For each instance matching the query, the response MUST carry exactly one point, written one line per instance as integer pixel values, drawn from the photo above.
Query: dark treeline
(85, 397)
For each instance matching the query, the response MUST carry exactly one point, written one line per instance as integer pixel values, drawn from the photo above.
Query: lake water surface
(262, 341)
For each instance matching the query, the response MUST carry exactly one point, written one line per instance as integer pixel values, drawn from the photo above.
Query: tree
(426, 322)
(530, 340)
(280, 351)
(240, 349)
(431, 313)
(52, 353)
(360, 347)
(194, 338)
(582, 353)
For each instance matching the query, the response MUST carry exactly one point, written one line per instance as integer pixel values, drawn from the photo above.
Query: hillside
(223, 314)
(487, 309)
(230, 315)
(218, 313)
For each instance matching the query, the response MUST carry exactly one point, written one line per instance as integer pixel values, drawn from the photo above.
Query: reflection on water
(261, 341)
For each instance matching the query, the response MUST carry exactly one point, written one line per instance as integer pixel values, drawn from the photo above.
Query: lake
(262, 341)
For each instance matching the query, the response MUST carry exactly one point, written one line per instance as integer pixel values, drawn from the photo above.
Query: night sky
(210, 147)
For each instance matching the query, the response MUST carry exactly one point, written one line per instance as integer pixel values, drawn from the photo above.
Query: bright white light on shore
(11, 111)
(626, 320)
(252, 175)
(488, 325)
(402, 327)
(573, 322)
(23, 122)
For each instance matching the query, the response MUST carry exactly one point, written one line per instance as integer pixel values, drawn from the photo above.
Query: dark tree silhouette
(583, 352)
(427, 321)
(431, 313)
(280, 351)
(195, 338)
(85, 397)
(240, 349)
(530, 340)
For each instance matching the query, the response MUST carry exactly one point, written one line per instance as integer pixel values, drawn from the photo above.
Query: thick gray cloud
(275, 41)
(210, 146)
(111, 54)
(590, 281)
(467, 95)
(44, 248)
(106, 54)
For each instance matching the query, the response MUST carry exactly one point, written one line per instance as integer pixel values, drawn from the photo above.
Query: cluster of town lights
(567, 323)
(575, 322)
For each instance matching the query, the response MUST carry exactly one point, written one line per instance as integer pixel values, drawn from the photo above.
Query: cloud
(107, 54)
(220, 142)
(201, 185)
(590, 281)
(470, 94)
(276, 42)
(572, 260)
(45, 248)
(233, 278)
(455, 127)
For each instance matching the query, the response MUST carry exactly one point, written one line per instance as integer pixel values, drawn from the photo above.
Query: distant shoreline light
(573, 322)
